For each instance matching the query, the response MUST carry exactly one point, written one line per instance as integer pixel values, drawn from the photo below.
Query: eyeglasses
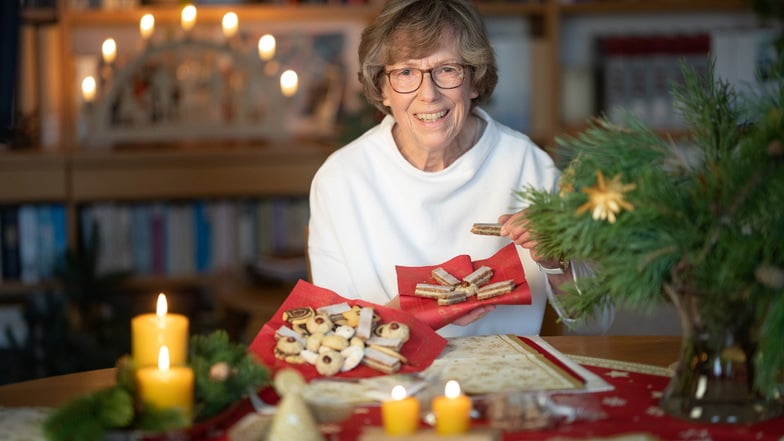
(409, 79)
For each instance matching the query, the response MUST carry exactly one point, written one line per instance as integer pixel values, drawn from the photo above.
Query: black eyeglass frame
(464, 66)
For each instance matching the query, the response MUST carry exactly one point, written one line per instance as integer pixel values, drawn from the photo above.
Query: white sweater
(371, 210)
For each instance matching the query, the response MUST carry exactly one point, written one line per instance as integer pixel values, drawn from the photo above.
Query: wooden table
(54, 391)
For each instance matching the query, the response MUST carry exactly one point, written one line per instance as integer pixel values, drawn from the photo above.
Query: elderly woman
(408, 190)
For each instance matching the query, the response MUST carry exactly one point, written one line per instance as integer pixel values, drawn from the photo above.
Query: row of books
(33, 239)
(200, 237)
(636, 72)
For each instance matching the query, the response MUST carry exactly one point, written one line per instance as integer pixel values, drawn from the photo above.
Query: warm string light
(288, 83)
(88, 88)
(188, 17)
(147, 26)
(230, 24)
(109, 50)
(266, 47)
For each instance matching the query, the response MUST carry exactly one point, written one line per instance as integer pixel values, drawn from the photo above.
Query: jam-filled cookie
(329, 363)
(289, 346)
(394, 330)
(319, 323)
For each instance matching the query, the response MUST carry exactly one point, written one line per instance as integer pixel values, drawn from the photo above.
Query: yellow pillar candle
(151, 331)
(167, 387)
(452, 410)
(400, 415)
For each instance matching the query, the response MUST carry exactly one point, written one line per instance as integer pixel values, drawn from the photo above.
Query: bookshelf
(171, 175)
(77, 177)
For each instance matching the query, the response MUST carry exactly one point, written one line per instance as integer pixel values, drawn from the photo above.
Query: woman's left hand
(515, 227)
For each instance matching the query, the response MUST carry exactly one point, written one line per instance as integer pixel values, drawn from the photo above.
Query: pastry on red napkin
(505, 264)
(422, 347)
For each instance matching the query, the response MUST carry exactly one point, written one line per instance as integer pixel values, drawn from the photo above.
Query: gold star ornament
(606, 199)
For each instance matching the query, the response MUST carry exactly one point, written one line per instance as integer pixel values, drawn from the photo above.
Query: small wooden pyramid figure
(293, 419)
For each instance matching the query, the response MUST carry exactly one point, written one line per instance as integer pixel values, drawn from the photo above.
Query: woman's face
(431, 117)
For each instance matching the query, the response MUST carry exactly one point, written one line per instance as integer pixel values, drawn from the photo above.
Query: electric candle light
(400, 415)
(109, 50)
(88, 89)
(288, 83)
(188, 17)
(147, 26)
(230, 24)
(151, 331)
(166, 386)
(266, 47)
(452, 410)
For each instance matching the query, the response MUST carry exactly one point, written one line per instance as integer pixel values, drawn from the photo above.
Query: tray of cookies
(321, 334)
(438, 294)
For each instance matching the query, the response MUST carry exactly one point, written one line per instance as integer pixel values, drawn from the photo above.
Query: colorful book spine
(10, 233)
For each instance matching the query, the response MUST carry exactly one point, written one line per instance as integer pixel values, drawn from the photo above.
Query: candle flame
(398, 392)
(162, 307)
(452, 389)
(163, 358)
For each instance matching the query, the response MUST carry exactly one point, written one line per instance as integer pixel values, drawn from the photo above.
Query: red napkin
(505, 264)
(422, 347)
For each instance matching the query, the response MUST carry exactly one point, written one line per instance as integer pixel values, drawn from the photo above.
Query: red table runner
(630, 408)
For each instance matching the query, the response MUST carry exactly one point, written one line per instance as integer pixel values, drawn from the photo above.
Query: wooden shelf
(214, 13)
(32, 177)
(184, 173)
(645, 6)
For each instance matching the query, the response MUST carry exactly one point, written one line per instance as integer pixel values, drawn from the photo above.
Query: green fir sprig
(704, 215)
(224, 372)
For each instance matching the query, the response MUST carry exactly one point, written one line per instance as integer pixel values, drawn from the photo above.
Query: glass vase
(714, 377)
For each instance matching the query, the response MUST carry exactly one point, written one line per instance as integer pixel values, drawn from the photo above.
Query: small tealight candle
(452, 410)
(88, 89)
(167, 387)
(147, 26)
(400, 415)
(188, 17)
(230, 24)
(109, 50)
(288, 83)
(151, 331)
(266, 47)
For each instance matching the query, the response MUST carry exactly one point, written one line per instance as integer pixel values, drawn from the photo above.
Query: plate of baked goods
(322, 334)
(438, 294)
